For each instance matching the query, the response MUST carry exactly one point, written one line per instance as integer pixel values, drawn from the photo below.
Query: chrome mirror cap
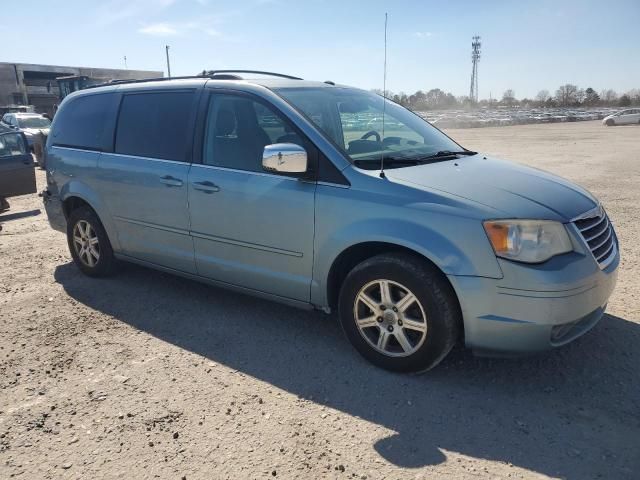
(284, 158)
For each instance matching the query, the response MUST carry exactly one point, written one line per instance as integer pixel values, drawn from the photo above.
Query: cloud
(168, 29)
(422, 34)
(159, 30)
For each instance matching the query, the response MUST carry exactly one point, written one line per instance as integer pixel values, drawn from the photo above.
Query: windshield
(33, 122)
(353, 120)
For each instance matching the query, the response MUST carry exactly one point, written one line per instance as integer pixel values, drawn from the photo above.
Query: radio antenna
(384, 95)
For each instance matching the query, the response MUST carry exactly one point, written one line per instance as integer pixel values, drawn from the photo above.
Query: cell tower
(475, 58)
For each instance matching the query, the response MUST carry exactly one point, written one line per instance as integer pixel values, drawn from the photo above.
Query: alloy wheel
(86, 243)
(390, 318)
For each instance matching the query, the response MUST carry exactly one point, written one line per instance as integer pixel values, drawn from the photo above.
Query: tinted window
(80, 123)
(238, 129)
(154, 125)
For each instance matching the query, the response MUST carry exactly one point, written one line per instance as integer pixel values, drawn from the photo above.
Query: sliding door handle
(170, 181)
(206, 187)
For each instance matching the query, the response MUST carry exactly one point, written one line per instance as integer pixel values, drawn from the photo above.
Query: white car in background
(624, 117)
(31, 124)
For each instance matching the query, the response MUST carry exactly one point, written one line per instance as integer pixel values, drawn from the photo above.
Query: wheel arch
(77, 194)
(357, 253)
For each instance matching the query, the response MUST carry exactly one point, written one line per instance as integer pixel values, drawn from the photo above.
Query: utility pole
(125, 63)
(168, 65)
(475, 58)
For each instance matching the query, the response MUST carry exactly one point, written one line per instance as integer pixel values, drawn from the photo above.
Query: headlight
(530, 241)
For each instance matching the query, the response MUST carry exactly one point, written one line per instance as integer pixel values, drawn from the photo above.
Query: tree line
(567, 95)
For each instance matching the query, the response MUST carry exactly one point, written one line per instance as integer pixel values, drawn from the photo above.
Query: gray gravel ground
(144, 375)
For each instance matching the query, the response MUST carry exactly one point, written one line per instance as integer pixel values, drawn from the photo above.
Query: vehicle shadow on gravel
(571, 413)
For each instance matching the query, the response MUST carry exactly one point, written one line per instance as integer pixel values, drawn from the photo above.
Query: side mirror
(284, 158)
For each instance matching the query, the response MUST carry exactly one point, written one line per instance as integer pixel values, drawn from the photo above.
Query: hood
(514, 190)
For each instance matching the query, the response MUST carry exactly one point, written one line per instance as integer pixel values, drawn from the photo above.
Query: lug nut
(383, 308)
(379, 319)
(400, 322)
(395, 309)
(390, 328)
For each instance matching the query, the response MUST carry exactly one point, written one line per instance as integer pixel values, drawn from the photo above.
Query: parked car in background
(31, 124)
(17, 175)
(625, 117)
(275, 187)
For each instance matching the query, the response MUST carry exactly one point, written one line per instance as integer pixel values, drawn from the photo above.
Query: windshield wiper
(389, 161)
(448, 153)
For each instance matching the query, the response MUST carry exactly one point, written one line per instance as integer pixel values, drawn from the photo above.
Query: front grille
(597, 231)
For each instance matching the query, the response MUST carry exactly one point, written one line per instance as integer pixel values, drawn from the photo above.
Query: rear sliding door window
(155, 125)
(80, 124)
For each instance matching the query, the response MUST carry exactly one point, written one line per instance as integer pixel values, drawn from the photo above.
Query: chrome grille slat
(590, 223)
(591, 235)
(597, 232)
(608, 233)
(606, 252)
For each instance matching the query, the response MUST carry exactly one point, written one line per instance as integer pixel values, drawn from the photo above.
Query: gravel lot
(144, 375)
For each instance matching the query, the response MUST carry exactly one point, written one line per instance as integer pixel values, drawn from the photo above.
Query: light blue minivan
(329, 197)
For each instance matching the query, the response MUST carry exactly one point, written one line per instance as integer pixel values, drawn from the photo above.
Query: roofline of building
(46, 65)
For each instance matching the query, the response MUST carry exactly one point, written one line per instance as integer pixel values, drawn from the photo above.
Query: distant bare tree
(509, 97)
(543, 96)
(567, 95)
(624, 101)
(435, 97)
(608, 96)
(634, 95)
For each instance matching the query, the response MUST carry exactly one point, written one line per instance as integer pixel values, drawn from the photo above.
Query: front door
(144, 181)
(250, 228)
(17, 174)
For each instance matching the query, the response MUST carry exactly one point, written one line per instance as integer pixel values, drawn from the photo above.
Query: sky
(527, 45)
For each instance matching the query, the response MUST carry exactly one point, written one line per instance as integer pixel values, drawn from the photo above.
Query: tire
(100, 265)
(610, 123)
(435, 310)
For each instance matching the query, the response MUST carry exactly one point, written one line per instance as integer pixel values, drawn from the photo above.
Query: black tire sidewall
(433, 292)
(105, 263)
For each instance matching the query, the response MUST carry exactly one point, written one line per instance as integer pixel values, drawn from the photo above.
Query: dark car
(17, 174)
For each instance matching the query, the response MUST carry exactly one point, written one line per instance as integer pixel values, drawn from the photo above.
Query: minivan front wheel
(399, 312)
(88, 243)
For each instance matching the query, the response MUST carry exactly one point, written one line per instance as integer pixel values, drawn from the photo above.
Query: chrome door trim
(152, 225)
(250, 172)
(336, 185)
(253, 246)
(162, 160)
(212, 238)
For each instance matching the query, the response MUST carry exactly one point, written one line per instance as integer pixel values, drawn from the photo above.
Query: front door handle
(170, 181)
(206, 187)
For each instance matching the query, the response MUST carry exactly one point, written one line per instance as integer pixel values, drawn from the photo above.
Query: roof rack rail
(219, 74)
(211, 73)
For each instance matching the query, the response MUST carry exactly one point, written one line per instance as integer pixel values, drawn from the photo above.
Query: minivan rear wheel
(610, 123)
(399, 312)
(89, 244)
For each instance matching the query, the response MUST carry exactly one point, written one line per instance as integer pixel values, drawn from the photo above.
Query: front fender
(458, 246)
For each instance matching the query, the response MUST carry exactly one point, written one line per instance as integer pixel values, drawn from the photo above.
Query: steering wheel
(371, 133)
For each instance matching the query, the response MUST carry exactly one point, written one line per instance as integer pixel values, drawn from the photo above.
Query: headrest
(225, 123)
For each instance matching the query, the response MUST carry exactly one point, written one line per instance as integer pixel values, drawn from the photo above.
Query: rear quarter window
(81, 123)
(155, 125)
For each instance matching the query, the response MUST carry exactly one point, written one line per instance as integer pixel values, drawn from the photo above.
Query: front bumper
(534, 307)
(55, 212)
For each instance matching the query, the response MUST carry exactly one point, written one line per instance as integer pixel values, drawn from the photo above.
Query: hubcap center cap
(389, 317)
